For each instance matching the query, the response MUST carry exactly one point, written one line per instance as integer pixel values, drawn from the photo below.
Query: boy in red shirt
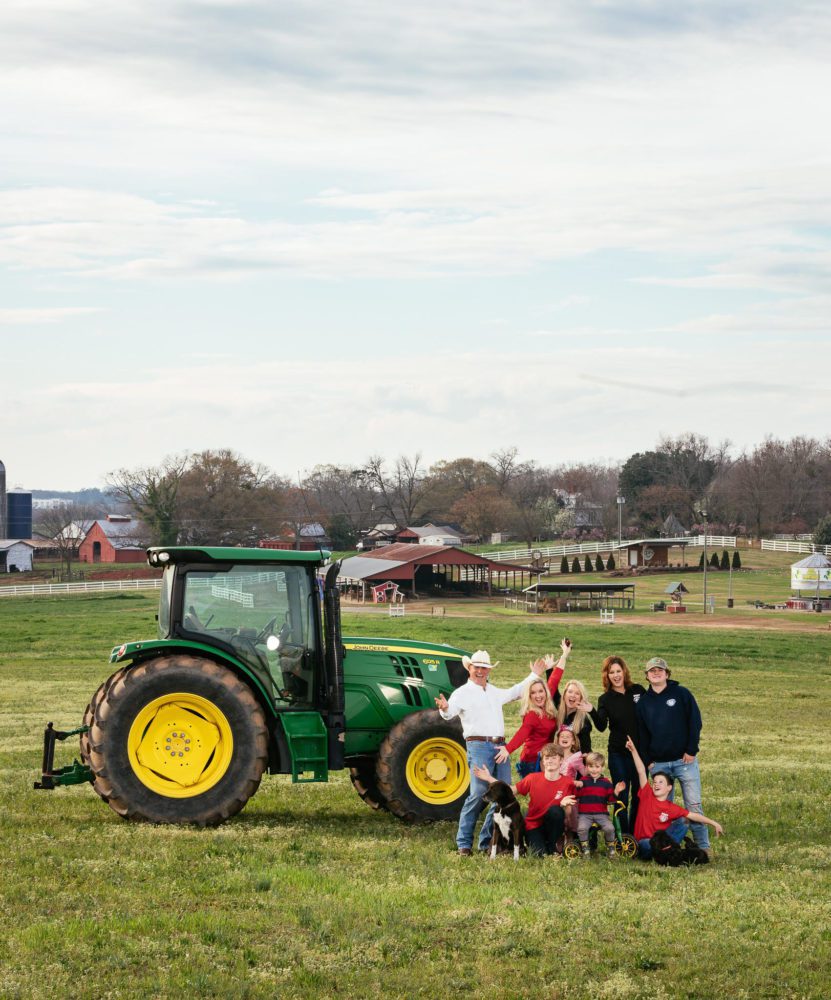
(594, 795)
(655, 812)
(549, 797)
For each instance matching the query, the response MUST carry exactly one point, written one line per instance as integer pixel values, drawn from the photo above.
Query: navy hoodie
(670, 723)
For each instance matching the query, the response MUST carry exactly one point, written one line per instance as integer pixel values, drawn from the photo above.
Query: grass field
(308, 893)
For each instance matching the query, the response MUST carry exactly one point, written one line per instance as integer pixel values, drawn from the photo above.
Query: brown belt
(485, 739)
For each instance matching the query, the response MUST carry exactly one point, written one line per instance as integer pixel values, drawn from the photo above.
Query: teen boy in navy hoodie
(670, 727)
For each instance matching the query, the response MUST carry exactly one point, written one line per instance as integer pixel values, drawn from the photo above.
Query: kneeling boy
(655, 812)
(549, 797)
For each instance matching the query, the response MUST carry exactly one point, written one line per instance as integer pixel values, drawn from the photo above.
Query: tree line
(220, 497)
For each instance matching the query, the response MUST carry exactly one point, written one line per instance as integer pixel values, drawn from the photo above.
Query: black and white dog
(508, 823)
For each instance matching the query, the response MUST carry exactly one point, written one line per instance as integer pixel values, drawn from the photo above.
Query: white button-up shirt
(480, 708)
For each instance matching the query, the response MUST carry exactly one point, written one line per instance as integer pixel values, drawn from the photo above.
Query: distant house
(15, 555)
(672, 527)
(381, 534)
(117, 539)
(310, 536)
(430, 534)
(587, 514)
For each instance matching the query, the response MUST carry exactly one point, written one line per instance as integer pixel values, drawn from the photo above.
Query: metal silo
(2, 501)
(18, 514)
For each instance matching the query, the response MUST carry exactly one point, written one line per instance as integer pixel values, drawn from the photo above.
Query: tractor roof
(214, 554)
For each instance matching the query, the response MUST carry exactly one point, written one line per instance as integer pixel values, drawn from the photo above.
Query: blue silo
(2, 501)
(18, 514)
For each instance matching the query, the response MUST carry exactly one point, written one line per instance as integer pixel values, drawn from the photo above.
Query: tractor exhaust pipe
(335, 722)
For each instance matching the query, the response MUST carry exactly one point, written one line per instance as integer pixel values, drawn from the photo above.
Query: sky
(314, 232)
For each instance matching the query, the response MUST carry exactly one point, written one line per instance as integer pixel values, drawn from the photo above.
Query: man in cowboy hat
(479, 705)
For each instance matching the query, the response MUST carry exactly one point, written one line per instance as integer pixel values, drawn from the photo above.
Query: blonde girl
(539, 724)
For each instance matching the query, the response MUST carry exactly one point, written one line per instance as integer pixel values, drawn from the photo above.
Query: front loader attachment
(75, 773)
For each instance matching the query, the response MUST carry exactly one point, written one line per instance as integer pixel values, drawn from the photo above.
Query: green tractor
(249, 674)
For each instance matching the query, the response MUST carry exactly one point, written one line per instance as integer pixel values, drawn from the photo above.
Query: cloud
(34, 317)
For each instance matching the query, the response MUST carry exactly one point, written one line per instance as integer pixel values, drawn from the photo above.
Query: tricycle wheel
(628, 846)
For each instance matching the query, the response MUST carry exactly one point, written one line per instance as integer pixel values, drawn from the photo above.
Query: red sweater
(532, 735)
(544, 794)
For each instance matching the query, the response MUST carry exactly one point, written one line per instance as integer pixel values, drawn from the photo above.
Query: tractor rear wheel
(177, 739)
(422, 768)
(89, 712)
(365, 782)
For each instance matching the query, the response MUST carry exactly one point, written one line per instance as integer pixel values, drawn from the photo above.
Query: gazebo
(812, 575)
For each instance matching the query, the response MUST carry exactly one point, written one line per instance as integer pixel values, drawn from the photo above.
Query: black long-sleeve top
(618, 712)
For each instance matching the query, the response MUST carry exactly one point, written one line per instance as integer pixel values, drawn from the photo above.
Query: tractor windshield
(266, 614)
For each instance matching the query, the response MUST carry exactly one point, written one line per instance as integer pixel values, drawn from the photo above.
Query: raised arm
(557, 669)
(636, 758)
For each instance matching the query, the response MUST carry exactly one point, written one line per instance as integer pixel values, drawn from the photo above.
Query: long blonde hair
(580, 716)
(525, 706)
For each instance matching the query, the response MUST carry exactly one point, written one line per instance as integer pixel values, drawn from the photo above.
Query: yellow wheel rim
(437, 771)
(180, 745)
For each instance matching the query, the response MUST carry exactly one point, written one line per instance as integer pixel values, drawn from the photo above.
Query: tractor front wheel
(422, 768)
(177, 739)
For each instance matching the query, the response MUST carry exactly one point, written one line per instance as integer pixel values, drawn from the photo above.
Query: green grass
(308, 893)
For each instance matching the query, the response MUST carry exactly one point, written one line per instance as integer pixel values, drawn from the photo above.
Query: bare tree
(345, 499)
(401, 493)
(65, 526)
(152, 493)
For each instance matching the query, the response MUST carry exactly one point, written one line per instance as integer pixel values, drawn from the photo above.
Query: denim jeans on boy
(688, 777)
(677, 830)
(480, 754)
(622, 768)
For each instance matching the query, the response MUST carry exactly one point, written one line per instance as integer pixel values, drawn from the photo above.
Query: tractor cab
(265, 614)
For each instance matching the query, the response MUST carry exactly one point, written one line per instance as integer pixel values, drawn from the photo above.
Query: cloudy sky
(316, 231)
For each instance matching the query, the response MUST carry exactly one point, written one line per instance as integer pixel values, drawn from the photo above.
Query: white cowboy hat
(481, 658)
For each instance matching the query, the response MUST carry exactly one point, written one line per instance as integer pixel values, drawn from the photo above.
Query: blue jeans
(689, 778)
(676, 830)
(480, 755)
(526, 767)
(622, 768)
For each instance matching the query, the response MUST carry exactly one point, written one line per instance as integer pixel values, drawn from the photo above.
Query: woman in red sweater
(539, 723)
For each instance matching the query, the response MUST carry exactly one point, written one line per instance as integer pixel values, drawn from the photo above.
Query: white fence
(81, 587)
(586, 548)
(777, 545)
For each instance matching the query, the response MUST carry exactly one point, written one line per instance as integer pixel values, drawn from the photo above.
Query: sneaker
(585, 851)
(709, 852)
(611, 852)
(464, 852)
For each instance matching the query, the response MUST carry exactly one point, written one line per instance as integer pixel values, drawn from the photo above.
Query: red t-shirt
(654, 815)
(544, 794)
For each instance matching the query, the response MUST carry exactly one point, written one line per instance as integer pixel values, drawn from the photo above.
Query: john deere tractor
(250, 673)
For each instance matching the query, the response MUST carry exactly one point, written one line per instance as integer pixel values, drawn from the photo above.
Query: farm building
(433, 569)
(15, 555)
(308, 537)
(651, 551)
(574, 597)
(430, 534)
(116, 539)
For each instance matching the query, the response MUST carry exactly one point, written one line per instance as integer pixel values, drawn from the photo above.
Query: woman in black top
(616, 709)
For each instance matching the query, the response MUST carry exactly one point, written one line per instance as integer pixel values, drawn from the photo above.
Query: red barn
(118, 539)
